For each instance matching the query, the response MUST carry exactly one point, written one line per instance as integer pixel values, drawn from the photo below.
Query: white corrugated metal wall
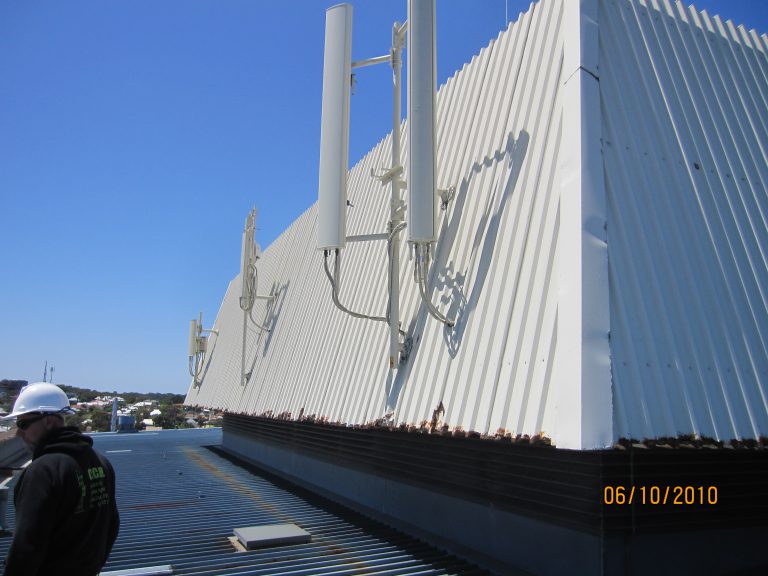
(683, 102)
(685, 110)
(498, 144)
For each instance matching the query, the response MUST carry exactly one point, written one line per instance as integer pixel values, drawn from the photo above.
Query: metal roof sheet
(180, 502)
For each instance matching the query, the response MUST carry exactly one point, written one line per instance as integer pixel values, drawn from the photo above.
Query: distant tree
(102, 420)
(9, 391)
(171, 417)
(12, 385)
(75, 419)
(82, 394)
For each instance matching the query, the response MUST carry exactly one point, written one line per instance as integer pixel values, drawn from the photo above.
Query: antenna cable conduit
(421, 279)
(334, 280)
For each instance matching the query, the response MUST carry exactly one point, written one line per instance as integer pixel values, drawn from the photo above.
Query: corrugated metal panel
(179, 503)
(498, 126)
(685, 100)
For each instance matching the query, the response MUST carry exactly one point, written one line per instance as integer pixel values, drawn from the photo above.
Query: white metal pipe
(395, 202)
(242, 357)
(372, 61)
(368, 237)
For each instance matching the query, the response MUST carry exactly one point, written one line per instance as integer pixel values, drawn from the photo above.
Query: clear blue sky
(135, 135)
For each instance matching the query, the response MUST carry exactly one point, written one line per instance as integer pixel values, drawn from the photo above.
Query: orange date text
(659, 495)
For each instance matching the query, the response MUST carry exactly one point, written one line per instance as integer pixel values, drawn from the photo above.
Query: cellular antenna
(422, 192)
(422, 200)
(198, 348)
(421, 208)
(334, 128)
(249, 284)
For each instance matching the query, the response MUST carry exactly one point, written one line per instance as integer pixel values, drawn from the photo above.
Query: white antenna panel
(334, 128)
(248, 254)
(192, 337)
(422, 199)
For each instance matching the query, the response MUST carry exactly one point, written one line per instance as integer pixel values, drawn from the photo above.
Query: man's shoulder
(47, 468)
(52, 459)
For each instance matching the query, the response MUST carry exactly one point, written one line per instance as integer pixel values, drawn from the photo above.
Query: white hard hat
(40, 397)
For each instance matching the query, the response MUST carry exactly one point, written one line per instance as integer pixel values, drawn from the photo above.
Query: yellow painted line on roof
(333, 547)
(234, 484)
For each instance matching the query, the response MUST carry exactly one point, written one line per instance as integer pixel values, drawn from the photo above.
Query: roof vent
(144, 571)
(253, 537)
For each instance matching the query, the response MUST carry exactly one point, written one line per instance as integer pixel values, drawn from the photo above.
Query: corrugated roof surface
(179, 503)
(685, 117)
(498, 126)
(684, 152)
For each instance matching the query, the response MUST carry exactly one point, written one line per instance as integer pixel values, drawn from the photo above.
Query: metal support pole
(396, 207)
(243, 381)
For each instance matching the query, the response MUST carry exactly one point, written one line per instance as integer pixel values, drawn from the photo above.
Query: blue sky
(135, 135)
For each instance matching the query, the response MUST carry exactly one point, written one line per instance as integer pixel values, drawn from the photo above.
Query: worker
(66, 514)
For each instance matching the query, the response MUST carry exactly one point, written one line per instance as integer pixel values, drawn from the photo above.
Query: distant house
(95, 404)
(107, 400)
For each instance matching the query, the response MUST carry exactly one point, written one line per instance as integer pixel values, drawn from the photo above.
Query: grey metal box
(271, 535)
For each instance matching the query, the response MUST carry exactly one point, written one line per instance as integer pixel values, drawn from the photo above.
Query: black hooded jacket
(66, 514)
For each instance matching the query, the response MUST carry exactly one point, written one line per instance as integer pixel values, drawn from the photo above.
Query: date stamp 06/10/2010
(659, 495)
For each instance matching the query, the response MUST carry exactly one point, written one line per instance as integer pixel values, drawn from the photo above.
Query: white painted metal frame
(582, 364)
